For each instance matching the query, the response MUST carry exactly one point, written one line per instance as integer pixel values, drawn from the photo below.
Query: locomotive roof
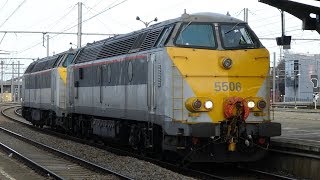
(56, 55)
(196, 17)
(209, 17)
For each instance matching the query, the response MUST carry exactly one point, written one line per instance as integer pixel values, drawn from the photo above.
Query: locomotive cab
(223, 70)
(45, 89)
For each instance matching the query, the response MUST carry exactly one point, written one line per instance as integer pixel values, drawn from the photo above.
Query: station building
(299, 68)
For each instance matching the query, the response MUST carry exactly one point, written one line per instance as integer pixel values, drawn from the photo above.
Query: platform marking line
(6, 174)
(309, 140)
(300, 134)
(287, 128)
(302, 131)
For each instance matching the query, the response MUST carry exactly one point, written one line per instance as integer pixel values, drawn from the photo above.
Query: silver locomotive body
(140, 89)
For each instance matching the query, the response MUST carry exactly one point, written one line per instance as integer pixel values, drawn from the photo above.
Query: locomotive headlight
(227, 63)
(251, 104)
(197, 104)
(261, 104)
(208, 104)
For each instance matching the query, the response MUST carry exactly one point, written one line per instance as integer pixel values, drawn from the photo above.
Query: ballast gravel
(129, 166)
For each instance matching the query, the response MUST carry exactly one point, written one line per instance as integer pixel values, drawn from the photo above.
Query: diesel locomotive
(196, 86)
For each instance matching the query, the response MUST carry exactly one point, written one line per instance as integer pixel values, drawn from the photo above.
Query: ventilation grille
(50, 63)
(39, 66)
(89, 54)
(150, 40)
(30, 67)
(43, 64)
(117, 48)
(138, 42)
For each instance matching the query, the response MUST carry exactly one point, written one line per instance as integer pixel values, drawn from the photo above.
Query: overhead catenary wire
(5, 3)
(13, 12)
(97, 4)
(296, 44)
(278, 32)
(2, 38)
(90, 10)
(62, 17)
(269, 23)
(46, 19)
(108, 8)
(104, 11)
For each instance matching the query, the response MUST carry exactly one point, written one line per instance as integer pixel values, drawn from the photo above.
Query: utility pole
(283, 23)
(274, 79)
(245, 14)
(48, 45)
(79, 24)
(2, 81)
(18, 81)
(12, 84)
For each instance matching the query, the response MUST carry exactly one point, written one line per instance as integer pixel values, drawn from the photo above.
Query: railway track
(173, 167)
(52, 162)
(208, 174)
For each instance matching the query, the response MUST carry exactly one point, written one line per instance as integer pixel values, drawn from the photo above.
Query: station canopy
(310, 15)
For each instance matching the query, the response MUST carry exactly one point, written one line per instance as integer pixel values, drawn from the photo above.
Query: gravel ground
(29, 151)
(129, 166)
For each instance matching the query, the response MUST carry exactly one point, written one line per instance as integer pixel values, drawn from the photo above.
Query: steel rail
(29, 162)
(272, 175)
(173, 167)
(82, 162)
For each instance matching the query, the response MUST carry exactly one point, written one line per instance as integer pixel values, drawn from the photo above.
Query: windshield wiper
(232, 28)
(185, 27)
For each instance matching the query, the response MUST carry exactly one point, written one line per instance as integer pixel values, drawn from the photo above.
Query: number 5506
(227, 86)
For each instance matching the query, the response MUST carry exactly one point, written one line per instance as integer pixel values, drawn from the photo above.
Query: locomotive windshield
(68, 60)
(237, 36)
(196, 35)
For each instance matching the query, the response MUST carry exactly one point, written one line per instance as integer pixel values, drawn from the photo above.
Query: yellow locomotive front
(225, 72)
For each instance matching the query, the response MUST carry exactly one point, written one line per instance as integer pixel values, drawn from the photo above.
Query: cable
(3, 38)
(238, 13)
(279, 32)
(13, 13)
(105, 10)
(57, 21)
(75, 25)
(254, 20)
(273, 22)
(46, 19)
(296, 44)
(98, 3)
(4, 5)
(89, 9)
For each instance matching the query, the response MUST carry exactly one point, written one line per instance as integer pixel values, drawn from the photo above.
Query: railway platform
(300, 128)
(297, 150)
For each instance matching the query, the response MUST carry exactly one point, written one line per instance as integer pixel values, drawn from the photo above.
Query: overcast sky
(61, 15)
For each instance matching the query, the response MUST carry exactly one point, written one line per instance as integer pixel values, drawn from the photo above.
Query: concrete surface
(300, 128)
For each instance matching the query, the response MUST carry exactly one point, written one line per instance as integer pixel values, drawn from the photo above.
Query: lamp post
(146, 23)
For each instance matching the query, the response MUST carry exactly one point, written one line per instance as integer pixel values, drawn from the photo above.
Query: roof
(300, 10)
(197, 17)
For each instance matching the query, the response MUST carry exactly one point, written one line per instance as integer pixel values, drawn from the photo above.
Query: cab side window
(68, 60)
